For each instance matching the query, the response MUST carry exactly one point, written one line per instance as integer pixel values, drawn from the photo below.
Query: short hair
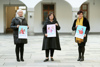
(18, 11)
(79, 12)
(51, 14)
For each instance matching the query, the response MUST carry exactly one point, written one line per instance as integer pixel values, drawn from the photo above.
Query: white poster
(80, 32)
(51, 30)
(22, 32)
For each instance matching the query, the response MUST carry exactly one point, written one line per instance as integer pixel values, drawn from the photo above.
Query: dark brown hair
(79, 12)
(50, 15)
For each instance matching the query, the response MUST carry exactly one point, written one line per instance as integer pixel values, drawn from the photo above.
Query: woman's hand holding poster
(51, 30)
(80, 32)
(22, 32)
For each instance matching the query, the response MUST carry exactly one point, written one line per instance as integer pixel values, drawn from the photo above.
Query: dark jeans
(19, 49)
(51, 52)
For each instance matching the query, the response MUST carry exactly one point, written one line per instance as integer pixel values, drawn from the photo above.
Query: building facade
(37, 10)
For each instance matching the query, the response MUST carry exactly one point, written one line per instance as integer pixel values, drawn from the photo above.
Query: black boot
(79, 59)
(18, 60)
(17, 56)
(82, 58)
(80, 51)
(52, 59)
(83, 51)
(22, 52)
(22, 58)
(46, 60)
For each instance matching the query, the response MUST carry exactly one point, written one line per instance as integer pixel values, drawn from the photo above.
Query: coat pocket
(16, 39)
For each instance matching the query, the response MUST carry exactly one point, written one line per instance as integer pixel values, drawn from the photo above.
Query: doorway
(10, 13)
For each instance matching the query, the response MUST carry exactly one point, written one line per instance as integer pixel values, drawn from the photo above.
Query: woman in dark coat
(16, 22)
(50, 43)
(81, 45)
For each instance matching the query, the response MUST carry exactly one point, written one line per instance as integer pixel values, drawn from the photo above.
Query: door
(10, 14)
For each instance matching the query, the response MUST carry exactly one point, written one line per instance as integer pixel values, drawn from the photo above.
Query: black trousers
(81, 49)
(19, 49)
(51, 52)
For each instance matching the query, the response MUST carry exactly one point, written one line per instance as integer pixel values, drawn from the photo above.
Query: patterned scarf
(20, 19)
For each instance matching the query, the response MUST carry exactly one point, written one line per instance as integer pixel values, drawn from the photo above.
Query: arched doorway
(10, 12)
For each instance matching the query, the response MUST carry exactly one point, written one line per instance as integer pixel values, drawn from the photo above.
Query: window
(84, 8)
(47, 8)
